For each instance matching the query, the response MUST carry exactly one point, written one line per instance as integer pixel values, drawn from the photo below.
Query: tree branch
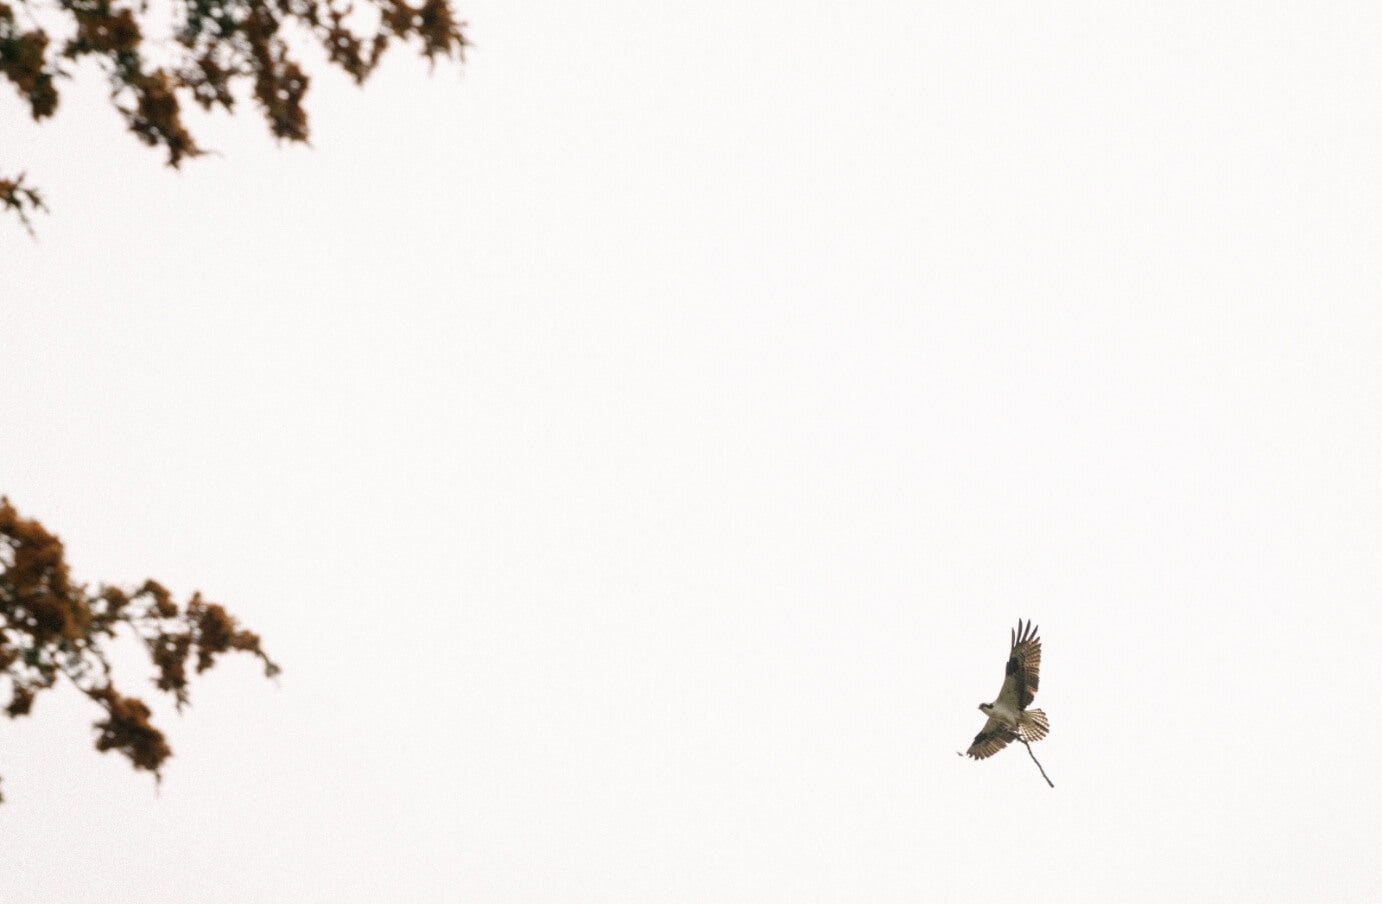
(1035, 760)
(22, 199)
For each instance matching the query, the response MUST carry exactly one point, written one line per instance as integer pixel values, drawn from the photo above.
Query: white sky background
(637, 451)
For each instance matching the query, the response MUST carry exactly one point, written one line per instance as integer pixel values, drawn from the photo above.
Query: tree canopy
(156, 58)
(51, 627)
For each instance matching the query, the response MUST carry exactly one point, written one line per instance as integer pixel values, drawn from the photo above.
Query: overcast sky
(637, 449)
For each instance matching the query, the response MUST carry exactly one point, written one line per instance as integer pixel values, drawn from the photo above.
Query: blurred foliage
(21, 199)
(212, 46)
(51, 627)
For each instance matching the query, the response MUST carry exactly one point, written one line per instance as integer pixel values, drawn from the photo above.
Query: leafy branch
(51, 627)
(216, 45)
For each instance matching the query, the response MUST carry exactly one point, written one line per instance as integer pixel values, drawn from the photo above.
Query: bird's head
(986, 708)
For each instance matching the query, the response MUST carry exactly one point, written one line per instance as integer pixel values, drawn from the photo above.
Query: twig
(1035, 760)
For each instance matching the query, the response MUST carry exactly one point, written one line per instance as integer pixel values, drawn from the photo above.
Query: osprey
(1009, 717)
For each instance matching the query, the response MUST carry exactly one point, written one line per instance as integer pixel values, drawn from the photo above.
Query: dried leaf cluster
(51, 627)
(215, 45)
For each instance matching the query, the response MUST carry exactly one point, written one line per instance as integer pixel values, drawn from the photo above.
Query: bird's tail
(1033, 724)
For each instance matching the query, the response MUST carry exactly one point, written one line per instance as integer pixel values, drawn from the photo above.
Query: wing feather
(1023, 672)
(992, 738)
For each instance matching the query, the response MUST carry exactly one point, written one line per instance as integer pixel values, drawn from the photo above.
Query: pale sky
(637, 449)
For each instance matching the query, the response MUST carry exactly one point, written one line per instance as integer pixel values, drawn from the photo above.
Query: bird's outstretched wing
(1023, 672)
(993, 738)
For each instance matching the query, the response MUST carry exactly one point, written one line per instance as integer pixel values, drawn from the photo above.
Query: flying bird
(1009, 718)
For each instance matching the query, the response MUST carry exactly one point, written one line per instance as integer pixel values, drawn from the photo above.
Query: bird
(1009, 719)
